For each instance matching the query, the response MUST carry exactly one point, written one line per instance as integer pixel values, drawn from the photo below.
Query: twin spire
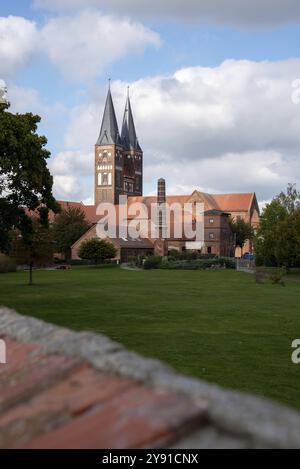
(109, 133)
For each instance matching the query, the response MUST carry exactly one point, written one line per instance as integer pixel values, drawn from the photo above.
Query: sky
(214, 86)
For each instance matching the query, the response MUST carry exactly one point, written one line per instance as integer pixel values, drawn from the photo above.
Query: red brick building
(119, 171)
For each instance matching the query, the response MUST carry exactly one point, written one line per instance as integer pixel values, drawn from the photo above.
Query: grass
(216, 325)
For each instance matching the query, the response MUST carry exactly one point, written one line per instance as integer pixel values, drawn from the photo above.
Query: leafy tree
(36, 251)
(277, 238)
(67, 228)
(242, 232)
(97, 250)
(289, 199)
(288, 241)
(25, 180)
(266, 239)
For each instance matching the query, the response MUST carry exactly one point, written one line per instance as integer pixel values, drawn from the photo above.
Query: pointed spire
(109, 133)
(128, 134)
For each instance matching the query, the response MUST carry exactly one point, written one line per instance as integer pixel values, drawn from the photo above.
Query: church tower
(133, 155)
(108, 157)
(118, 158)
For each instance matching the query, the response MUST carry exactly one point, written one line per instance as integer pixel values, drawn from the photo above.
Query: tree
(267, 235)
(288, 241)
(97, 250)
(242, 232)
(67, 228)
(38, 251)
(289, 199)
(25, 180)
(277, 238)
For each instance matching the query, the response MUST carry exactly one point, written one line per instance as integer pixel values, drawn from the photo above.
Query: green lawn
(217, 325)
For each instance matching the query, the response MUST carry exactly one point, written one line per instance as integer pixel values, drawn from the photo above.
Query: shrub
(276, 277)
(196, 264)
(86, 262)
(188, 255)
(7, 264)
(152, 262)
(268, 274)
(174, 254)
(136, 261)
(97, 250)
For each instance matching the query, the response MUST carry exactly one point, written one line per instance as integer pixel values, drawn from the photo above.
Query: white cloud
(241, 13)
(84, 44)
(81, 45)
(65, 186)
(73, 175)
(229, 128)
(18, 42)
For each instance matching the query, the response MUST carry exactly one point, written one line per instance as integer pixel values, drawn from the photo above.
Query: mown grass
(216, 325)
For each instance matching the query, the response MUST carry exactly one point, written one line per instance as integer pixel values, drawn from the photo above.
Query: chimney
(161, 191)
(161, 201)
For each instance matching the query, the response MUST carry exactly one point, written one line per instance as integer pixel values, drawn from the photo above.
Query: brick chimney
(161, 201)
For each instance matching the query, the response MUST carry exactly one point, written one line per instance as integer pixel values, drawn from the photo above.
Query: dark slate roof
(215, 212)
(128, 135)
(109, 133)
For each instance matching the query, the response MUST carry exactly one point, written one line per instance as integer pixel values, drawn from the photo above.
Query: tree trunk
(30, 273)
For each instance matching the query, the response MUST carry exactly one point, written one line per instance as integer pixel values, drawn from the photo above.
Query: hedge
(199, 264)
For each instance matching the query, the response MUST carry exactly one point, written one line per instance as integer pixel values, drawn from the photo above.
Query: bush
(199, 264)
(79, 262)
(276, 277)
(152, 262)
(268, 274)
(86, 262)
(173, 254)
(136, 261)
(7, 264)
(97, 250)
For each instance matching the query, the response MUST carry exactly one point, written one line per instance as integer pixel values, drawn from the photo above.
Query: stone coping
(68, 389)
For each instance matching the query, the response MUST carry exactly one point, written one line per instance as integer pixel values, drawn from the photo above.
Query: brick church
(119, 171)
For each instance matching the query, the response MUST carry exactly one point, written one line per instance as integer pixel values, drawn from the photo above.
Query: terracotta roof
(234, 202)
(148, 200)
(89, 210)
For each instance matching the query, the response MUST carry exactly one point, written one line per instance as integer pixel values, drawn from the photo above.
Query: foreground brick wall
(62, 389)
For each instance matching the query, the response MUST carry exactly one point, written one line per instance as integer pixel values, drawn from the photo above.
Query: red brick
(27, 372)
(57, 405)
(137, 417)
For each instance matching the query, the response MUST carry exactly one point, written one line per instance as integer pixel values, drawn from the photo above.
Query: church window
(104, 179)
(211, 220)
(211, 236)
(99, 179)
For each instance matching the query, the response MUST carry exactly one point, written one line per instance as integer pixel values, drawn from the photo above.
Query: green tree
(67, 228)
(289, 199)
(276, 240)
(267, 235)
(34, 252)
(97, 250)
(288, 241)
(25, 180)
(242, 232)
